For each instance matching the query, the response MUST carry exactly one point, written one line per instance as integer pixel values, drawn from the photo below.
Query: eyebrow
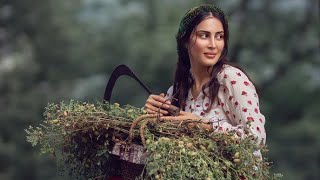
(209, 32)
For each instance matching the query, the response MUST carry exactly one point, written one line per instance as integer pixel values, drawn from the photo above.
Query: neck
(200, 76)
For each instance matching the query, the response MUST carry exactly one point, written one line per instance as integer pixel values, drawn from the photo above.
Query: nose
(212, 43)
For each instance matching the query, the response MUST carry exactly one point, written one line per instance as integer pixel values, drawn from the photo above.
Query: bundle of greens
(81, 136)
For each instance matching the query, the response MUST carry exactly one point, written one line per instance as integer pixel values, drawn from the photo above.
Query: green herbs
(214, 157)
(81, 136)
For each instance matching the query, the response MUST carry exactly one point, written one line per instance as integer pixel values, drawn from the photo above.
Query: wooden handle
(173, 110)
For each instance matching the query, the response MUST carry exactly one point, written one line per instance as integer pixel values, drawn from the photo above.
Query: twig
(135, 122)
(142, 130)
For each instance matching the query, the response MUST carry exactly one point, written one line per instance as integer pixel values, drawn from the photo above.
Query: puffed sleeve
(239, 100)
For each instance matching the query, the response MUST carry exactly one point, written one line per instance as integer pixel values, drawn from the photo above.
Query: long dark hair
(183, 80)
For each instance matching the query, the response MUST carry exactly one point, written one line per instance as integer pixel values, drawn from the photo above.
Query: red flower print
(192, 99)
(250, 102)
(239, 74)
(236, 103)
(222, 104)
(234, 116)
(197, 105)
(256, 110)
(206, 105)
(225, 76)
(244, 93)
(202, 113)
(260, 120)
(233, 82)
(230, 98)
(244, 109)
(227, 112)
(258, 129)
(246, 83)
(224, 90)
(250, 119)
(220, 128)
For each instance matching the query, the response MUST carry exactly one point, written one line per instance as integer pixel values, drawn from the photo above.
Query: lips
(210, 54)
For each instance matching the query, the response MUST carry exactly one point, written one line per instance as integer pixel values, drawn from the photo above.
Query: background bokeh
(57, 50)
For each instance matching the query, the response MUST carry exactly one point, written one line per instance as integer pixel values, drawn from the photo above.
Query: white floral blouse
(237, 104)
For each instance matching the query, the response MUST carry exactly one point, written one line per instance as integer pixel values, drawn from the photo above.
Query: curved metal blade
(117, 72)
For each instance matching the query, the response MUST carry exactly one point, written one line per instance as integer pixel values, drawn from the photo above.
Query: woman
(206, 87)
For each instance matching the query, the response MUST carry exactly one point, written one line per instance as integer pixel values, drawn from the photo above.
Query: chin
(211, 62)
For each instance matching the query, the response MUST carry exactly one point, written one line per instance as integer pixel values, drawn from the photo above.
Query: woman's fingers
(154, 112)
(183, 112)
(158, 101)
(161, 98)
(183, 116)
(154, 102)
(152, 109)
(173, 118)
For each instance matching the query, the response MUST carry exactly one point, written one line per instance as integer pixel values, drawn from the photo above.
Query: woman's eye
(203, 36)
(219, 36)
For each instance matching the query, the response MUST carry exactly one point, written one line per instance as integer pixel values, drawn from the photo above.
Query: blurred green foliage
(54, 50)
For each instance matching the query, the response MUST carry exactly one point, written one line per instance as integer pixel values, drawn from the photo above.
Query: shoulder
(231, 74)
(228, 70)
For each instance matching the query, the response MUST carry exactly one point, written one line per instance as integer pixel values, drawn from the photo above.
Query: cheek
(221, 45)
(199, 46)
(195, 49)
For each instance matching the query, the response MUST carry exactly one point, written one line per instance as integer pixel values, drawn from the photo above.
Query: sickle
(125, 70)
(117, 72)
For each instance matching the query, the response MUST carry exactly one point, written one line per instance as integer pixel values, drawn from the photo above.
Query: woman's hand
(154, 102)
(189, 116)
(182, 116)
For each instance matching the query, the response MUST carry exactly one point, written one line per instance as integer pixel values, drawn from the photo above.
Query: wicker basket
(130, 170)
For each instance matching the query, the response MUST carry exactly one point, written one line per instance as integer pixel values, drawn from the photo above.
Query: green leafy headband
(193, 12)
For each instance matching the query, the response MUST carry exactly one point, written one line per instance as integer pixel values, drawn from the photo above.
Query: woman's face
(206, 43)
